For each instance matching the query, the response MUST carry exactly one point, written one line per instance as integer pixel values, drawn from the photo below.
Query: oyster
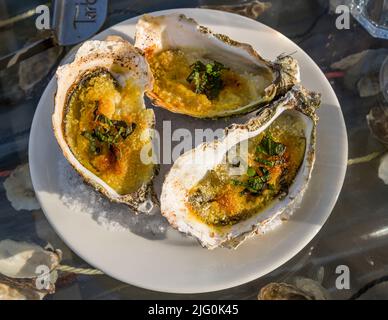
(27, 271)
(207, 75)
(298, 289)
(19, 190)
(282, 291)
(221, 194)
(101, 123)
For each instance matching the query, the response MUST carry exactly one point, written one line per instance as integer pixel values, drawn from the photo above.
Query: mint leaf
(270, 147)
(206, 78)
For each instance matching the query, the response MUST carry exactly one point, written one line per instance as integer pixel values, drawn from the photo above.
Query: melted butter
(121, 168)
(216, 201)
(171, 69)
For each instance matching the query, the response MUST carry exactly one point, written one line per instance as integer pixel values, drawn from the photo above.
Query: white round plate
(176, 263)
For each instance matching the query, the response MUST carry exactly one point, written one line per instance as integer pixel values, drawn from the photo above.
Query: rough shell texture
(19, 190)
(377, 119)
(94, 55)
(7, 292)
(190, 168)
(19, 269)
(298, 289)
(282, 291)
(155, 34)
(383, 169)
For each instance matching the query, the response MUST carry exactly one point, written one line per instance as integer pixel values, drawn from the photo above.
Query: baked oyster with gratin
(225, 191)
(101, 123)
(207, 75)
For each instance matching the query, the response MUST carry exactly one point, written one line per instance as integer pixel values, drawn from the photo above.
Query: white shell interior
(178, 31)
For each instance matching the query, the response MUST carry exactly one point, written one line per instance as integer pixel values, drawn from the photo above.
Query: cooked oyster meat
(274, 158)
(103, 128)
(207, 75)
(199, 86)
(101, 123)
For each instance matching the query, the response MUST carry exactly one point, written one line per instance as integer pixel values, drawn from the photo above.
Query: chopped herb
(107, 131)
(207, 78)
(261, 149)
(103, 119)
(265, 162)
(236, 182)
(255, 184)
(270, 147)
(257, 181)
(265, 178)
(264, 171)
(93, 147)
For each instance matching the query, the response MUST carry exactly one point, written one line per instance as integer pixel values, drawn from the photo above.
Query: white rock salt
(79, 197)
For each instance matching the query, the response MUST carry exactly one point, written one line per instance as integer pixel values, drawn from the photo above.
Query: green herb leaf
(206, 78)
(255, 185)
(270, 147)
(107, 131)
(251, 172)
(265, 162)
(264, 171)
(94, 148)
(261, 149)
(236, 182)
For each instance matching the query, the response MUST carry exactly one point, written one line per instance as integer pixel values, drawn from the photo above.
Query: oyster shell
(299, 289)
(19, 190)
(24, 267)
(101, 123)
(175, 44)
(9, 293)
(195, 196)
(282, 291)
